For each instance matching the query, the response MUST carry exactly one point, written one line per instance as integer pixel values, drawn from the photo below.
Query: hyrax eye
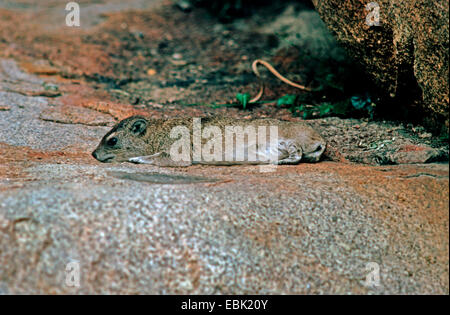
(112, 142)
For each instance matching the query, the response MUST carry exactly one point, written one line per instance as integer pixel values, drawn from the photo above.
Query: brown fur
(156, 136)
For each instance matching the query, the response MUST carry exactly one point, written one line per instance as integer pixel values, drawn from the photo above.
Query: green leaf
(288, 99)
(243, 99)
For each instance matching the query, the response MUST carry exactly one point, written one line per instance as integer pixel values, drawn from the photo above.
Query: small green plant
(288, 99)
(325, 109)
(243, 99)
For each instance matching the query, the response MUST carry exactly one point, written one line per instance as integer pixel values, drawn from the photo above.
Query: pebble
(177, 56)
(186, 285)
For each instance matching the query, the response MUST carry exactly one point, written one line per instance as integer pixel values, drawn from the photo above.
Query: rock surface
(311, 228)
(406, 55)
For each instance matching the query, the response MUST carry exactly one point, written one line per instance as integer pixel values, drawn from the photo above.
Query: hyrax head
(124, 141)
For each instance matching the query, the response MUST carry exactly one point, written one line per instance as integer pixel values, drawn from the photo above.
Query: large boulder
(406, 55)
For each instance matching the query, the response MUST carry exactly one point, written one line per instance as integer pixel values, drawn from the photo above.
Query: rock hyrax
(211, 140)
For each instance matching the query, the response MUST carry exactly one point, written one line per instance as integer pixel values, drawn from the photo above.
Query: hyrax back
(159, 141)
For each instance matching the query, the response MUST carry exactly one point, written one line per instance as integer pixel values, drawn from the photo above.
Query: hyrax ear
(139, 127)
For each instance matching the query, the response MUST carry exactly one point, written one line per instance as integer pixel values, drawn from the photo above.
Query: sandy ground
(310, 228)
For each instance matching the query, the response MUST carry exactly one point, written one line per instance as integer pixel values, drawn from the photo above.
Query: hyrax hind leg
(289, 152)
(159, 159)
